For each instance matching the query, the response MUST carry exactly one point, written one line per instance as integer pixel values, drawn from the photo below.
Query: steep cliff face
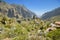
(13, 10)
(26, 13)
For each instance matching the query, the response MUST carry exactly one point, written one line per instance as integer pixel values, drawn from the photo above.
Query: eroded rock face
(10, 13)
(16, 11)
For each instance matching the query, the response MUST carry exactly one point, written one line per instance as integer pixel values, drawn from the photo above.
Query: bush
(54, 35)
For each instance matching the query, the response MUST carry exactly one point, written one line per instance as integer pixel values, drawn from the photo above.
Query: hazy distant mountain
(50, 14)
(13, 10)
(55, 18)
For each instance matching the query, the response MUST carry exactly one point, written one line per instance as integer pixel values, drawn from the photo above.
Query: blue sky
(37, 6)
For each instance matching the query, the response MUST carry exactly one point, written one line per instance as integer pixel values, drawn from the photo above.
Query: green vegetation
(10, 28)
(26, 30)
(23, 27)
(54, 35)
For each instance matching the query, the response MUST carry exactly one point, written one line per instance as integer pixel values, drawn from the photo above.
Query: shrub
(54, 35)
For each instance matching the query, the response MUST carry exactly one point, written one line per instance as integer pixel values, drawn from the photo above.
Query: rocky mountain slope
(17, 11)
(55, 12)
